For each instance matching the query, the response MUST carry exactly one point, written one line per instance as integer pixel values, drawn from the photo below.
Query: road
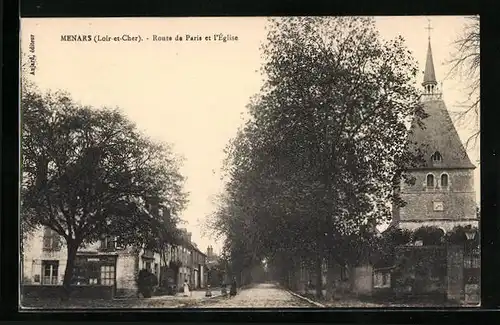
(265, 295)
(259, 296)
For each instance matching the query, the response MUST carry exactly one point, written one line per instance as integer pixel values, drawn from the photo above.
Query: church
(443, 194)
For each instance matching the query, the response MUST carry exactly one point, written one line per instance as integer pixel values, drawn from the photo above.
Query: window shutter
(46, 242)
(56, 242)
(46, 238)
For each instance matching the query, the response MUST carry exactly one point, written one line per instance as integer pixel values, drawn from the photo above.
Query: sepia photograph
(249, 162)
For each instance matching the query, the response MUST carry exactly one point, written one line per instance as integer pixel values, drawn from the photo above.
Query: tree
(27, 85)
(316, 164)
(465, 64)
(88, 173)
(429, 235)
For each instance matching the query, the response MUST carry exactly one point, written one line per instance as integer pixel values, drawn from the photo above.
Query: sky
(193, 94)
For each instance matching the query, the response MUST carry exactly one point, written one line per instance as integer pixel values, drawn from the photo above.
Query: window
(444, 180)
(79, 275)
(107, 275)
(108, 243)
(93, 272)
(430, 180)
(156, 269)
(436, 157)
(50, 272)
(51, 240)
(148, 266)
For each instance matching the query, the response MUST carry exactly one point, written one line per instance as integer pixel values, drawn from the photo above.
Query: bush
(146, 281)
(429, 235)
(458, 235)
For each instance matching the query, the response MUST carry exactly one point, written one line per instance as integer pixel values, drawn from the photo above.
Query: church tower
(443, 195)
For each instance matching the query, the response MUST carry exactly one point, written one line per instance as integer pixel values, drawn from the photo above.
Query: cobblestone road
(264, 295)
(178, 301)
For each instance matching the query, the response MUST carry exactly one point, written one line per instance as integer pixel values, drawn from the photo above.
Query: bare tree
(464, 63)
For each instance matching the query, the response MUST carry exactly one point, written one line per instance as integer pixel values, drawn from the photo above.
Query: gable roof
(438, 134)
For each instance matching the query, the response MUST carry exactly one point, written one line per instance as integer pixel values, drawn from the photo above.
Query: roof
(429, 74)
(437, 133)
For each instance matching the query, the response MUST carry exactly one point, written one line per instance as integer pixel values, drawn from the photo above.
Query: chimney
(166, 212)
(189, 236)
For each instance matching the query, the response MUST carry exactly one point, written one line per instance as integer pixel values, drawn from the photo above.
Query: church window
(444, 180)
(430, 180)
(436, 157)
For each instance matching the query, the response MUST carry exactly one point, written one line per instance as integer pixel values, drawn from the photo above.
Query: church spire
(430, 82)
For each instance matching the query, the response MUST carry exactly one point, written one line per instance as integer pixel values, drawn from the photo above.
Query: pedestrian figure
(233, 289)
(187, 293)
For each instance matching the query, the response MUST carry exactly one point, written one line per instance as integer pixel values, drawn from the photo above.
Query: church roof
(438, 134)
(429, 74)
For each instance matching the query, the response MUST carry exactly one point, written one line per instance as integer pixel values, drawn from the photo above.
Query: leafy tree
(465, 64)
(316, 164)
(88, 173)
(429, 235)
(457, 236)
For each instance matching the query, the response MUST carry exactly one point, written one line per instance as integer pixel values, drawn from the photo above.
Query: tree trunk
(70, 265)
(330, 278)
(319, 277)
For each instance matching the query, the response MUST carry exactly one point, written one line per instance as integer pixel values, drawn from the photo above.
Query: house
(107, 268)
(215, 274)
(105, 265)
(198, 266)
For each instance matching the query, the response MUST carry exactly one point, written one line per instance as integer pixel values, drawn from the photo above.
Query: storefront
(92, 269)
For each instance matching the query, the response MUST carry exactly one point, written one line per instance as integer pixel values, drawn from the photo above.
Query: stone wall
(447, 225)
(126, 271)
(362, 280)
(455, 276)
(92, 292)
(458, 198)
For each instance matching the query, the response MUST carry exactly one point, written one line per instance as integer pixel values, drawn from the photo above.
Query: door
(50, 272)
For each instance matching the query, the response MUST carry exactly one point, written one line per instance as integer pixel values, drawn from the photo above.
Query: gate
(472, 274)
(420, 271)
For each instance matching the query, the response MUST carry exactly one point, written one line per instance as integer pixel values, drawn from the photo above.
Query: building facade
(107, 264)
(443, 194)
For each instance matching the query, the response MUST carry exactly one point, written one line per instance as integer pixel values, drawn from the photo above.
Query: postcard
(249, 162)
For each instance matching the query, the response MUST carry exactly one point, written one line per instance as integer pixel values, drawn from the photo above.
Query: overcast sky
(193, 94)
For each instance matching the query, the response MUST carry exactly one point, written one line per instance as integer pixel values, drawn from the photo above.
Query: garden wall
(90, 292)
